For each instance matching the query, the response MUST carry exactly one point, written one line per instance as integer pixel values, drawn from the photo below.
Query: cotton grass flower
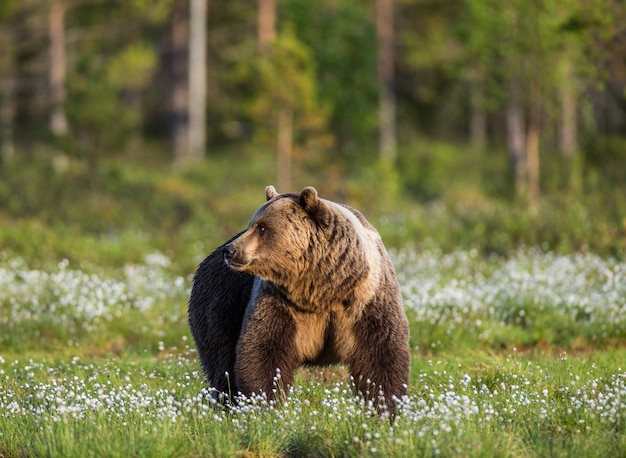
(70, 297)
(454, 291)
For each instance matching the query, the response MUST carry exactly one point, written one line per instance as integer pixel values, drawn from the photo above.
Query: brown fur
(325, 292)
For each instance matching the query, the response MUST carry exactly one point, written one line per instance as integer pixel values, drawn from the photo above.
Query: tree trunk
(515, 136)
(387, 102)
(284, 123)
(478, 115)
(197, 79)
(532, 145)
(284, 146)
(267, 25)
(568, 141)
(7, 113)
(57, 68)
(179, 80)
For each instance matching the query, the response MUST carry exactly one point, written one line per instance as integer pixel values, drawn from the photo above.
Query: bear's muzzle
(233, 258)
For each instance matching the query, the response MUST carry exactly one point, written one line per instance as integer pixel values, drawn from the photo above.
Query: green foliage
(604, 159)
(287, 82)
(120, 210)
(155, 11)
(376, 187)
(514, 41)
(341, 36)
(132, 68)
(432, 170)
(103, 106)
(7, 8)
(95, 108)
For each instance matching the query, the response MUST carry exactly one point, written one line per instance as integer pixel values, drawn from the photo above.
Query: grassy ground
(470, 405)
(512, 356)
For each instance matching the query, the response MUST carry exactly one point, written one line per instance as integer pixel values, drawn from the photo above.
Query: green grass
(471, 405)
(511, 356)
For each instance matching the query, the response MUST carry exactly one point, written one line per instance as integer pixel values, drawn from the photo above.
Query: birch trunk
(532, 145)
(568, 141)
(387, 102)
(266, 25)
(284, 146)
(478, 115)
(57, 67)
(7, 114)
(197, 79)
(179, 100)
(515, 136)
(568, 138)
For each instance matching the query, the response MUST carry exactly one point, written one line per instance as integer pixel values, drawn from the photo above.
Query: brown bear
(308, 282)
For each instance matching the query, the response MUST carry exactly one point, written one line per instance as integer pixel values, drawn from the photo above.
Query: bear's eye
(260, 229)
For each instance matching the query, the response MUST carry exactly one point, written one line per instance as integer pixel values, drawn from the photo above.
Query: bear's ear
(308, 198)
(314, 206)
(270, 192)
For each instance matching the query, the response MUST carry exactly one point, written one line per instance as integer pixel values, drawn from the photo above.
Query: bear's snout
(228, 253)
(232, 257)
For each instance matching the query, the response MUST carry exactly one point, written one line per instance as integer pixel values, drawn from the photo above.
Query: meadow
(516, 355)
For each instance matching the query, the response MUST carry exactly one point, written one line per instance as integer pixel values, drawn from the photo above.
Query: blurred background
(132, 126)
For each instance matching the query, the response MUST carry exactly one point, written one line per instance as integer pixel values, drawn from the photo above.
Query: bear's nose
(228, 251)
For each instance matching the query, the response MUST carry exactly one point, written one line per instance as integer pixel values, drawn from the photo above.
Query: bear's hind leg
(380, 361)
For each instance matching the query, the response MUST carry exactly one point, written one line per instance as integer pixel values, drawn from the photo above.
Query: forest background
(133, 126)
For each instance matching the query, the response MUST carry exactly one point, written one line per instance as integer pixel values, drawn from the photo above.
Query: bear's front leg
(265, 347)
(381, 359)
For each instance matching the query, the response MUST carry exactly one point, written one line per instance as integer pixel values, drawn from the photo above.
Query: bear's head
(315, 250)
(283, 237)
